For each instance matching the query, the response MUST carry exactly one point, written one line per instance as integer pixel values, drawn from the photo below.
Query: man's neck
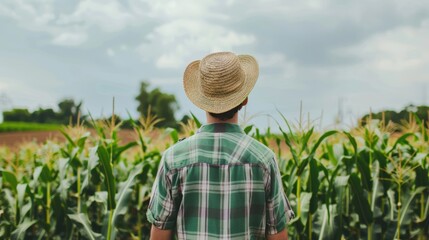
(211, 119)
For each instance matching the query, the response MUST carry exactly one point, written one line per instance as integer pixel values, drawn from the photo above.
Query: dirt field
(14, 139)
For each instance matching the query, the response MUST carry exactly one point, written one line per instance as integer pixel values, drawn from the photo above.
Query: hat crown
(220, 81)
(221, 75)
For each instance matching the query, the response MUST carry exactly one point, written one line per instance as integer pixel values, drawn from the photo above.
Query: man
(219, 183)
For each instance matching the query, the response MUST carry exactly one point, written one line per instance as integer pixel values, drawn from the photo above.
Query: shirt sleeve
(279, 211)
(162, 210)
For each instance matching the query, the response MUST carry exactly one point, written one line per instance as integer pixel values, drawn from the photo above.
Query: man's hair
(228, 114)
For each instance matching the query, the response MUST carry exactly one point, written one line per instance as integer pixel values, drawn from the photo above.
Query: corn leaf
(319, 141)
(359, 201)
(313, 185)
(109, 179)
(407, 205)
(10, 178)
(291, 148)
(363, 167)
(173, 134)
(19, 232)
(93, 162)
(401, 140)
(247, 129)
(305, 206)
(197, 122)
(84, 226)
(124, 194)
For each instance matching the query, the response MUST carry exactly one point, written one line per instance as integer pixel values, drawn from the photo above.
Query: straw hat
(220, 81)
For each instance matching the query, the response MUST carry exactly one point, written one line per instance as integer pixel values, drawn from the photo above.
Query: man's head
(228, 114)
(220, 82)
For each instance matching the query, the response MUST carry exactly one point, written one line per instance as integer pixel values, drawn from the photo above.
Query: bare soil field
(14, 139)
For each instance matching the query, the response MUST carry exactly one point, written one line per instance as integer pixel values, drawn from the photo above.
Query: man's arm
(160, 234)
(278, 209)
(163, 205)
(278, 236)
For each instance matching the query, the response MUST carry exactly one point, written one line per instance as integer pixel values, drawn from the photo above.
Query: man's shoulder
(262, 151)
(181, 144)
(178, 150)
(184, 151)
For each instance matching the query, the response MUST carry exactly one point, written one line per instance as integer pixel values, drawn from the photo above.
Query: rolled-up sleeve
(278, 209)
(162, 210)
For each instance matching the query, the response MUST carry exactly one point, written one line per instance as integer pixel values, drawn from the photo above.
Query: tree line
(150, 101)
(419, 113)
(68, 110)
(164, 106)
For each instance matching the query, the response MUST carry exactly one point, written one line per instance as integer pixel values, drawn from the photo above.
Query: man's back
(219, 183)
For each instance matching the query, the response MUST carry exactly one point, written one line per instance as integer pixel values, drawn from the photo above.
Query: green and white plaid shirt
(220, 183)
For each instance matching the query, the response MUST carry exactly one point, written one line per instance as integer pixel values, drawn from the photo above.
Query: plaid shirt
(220, 183)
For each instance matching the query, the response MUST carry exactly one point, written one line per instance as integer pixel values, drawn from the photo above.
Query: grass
(26, 126)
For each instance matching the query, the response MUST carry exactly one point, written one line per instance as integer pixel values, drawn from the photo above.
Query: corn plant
(371, 182)
(302, 175)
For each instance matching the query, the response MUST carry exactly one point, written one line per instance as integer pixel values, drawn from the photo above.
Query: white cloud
(107, 15)
(169, 61)
(398, 50)
(278, 66)
(3, 84)
(390, 73)
(362, 11)
(173, 9)
(69, 39)
(31, 15)
(300, 46)
(174, 42)
(25, 95)
(110, 52)
(70, 29)
(8, 12)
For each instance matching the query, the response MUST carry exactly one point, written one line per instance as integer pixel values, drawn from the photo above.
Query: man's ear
(245, 102)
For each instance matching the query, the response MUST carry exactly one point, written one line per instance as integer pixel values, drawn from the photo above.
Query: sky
(317, 58)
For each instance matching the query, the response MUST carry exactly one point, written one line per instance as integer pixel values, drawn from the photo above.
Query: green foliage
(17, 115)
(24, 126)
(83, 189)
(44, 115)
(162, 105)
(366, 183)
(86, 230)
(69, 112)
(421, 112)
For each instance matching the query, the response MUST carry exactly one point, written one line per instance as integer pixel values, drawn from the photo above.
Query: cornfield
(371, 182)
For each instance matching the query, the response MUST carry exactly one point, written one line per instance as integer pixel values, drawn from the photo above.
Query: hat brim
(191, 84)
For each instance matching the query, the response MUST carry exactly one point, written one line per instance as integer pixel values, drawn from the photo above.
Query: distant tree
(143, 98)
(44, 116)
(117, 119)
(163, 105)
(422, 112)
(69, 110)
(66, 107)
(17, 115)
(185, 119)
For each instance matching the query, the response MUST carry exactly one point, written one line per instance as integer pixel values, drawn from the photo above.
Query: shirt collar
(220, 128)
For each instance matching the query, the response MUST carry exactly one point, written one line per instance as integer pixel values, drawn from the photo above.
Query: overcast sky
(354, 54)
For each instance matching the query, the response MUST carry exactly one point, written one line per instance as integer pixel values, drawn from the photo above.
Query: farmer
(219, 183)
